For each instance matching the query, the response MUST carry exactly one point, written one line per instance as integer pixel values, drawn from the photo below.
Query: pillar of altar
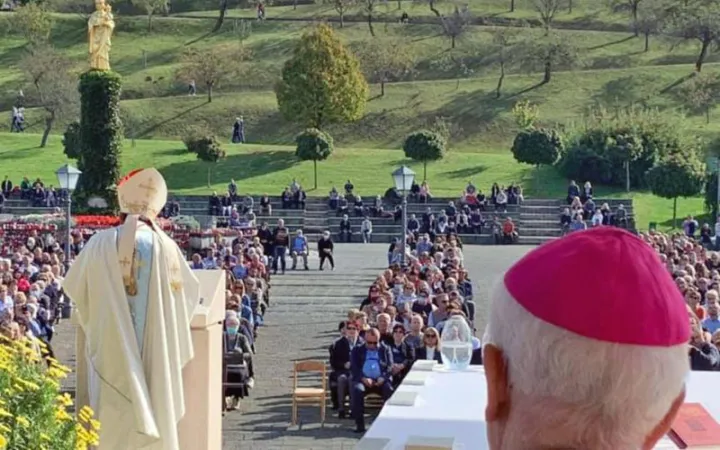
(201, 426)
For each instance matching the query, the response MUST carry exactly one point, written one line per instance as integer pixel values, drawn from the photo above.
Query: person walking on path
(238, 136)
(325, 250)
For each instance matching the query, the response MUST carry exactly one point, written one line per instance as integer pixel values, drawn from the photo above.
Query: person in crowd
(265, 205)
(349, 188)
(690, 226)
(300, 248)
(371, 367)
(620, 216)
(565, 221)
(358, 206)
(345, 229)
(235, 342)
(403, 354)
(226, 203)
(573, 192)
(340, 362)
(509, 231)
(430, 350)
(587, 192)
(333, 198)
(238, 133)
(281, 240)
(711, 323)
(597, 218)
(578, 223)
(6, 186)
(325, 250)
(214, 205)
(366, 229)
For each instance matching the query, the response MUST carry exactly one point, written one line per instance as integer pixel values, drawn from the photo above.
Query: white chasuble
(137, 395)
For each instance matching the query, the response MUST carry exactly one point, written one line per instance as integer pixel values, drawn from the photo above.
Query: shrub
(71, 140)
(207, 148)
(33, 413)
(424, 146)
(313, 145)
(537, 146)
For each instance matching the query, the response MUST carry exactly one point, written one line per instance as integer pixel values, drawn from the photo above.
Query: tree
(537, 146)
(424, 146)
(632, 7)
(313, 145)
(456, 23)
(342, 7)
(206, 148)
(209, 67)
(51, 76)
(677, 176)
(454, 64)
(34, 22)
(548, 54)
(525, 114)
(696, 20)
(383, 59)
(71, 140)
(322, 82)
(547, 9)
(648, 20)
(701, 92)
(221, 17)
(369, 9)
(151, 7)
(504, 40)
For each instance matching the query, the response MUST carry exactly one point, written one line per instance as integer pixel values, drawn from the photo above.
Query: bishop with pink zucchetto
(134, 295)
(586, 347)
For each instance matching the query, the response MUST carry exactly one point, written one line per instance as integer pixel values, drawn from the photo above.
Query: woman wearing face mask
(423, 304)
(236, 342)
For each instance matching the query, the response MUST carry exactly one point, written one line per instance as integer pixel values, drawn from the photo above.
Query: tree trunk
(424, 170)
(512, 5)
(209, 170)
(342, 19)
(294, 4)
(48, 126)
(452, 41)
(570, 5)
(500, 80)
(675, 212)
(399, 2)
(315, 172)
(707, 115)
(627, 176)
(457, 83)
(548, 71)
(221, 17)
(635, 20)
(434, 9)
(647, 42)
(382, 87)
(370, 25)
(150, 22)
(209, 89)
(702, 55)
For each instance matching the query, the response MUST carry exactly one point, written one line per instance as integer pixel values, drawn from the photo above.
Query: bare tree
(384, 60)
(632, 7)
(456, 24)
(648, 21)
(342, 6)
(151, 7)
(504, 39)
(701, 94)
(432, 4)
(696, 20)
(209, 67)
(51, 75)
(221, 17)
(369, 9)
(548, 54)
(547, 9)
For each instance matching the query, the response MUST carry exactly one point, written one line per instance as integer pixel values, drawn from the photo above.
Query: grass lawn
(267, 168)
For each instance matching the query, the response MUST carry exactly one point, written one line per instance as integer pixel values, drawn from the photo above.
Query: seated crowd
(583, 209)
(36, 192)
(398, 323)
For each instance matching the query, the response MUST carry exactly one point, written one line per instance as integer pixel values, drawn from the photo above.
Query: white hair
(595, 394)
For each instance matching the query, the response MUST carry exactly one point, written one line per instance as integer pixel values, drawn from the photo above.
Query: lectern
(201, 427)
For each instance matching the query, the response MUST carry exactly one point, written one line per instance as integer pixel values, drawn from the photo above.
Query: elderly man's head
(383, 322)
(557, 381)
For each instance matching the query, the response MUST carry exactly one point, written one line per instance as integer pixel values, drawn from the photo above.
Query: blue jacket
(357, 361)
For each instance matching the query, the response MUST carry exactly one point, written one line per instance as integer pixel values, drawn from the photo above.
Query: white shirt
(366, 226)
(430, 353)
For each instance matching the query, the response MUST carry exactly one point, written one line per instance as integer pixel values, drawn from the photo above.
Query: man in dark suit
(370, 366)
(340, 363)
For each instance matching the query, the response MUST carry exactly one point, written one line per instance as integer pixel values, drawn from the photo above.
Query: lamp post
(403, 178)
(68, 177)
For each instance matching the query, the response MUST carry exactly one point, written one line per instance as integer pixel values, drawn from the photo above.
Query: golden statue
(100, 28)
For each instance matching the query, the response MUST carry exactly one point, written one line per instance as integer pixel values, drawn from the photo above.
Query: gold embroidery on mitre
(176, 285)
(148, 188)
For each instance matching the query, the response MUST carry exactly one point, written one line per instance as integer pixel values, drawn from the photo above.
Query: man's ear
(664, 426)
(498, 397)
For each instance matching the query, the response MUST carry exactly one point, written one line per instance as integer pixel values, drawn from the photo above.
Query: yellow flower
(3, 441)
(22, 420)
(45, 437)
(4, 413)
(5, 429)
(65, 399)
(95, 424)
(28, 384)
(62, 415)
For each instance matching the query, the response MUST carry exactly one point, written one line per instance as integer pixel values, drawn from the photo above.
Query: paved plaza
(305, 310)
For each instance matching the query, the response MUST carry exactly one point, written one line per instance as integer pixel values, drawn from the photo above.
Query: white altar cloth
(452, 404)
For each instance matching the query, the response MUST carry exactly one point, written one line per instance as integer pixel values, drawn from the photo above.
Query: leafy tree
(207, 148)
(51, 76)
(342, 7)
(547, 9)
(424, 146)
(383, 60)
(504, 40)
(696, 20)
(537, 146)
(313, 145)
(548, 54)
(525, 114)
(456, 24)
(701, 93)
(150, 7)
(34, 22)
(711, 186)
(677, 176)
(648, 20)
(209, 67)
(71, 140)
(322, 82)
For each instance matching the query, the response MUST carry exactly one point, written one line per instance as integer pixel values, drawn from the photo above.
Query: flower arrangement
(33, 412)
(96, 221)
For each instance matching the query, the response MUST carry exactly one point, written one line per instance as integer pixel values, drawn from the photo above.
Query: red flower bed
(96, 221)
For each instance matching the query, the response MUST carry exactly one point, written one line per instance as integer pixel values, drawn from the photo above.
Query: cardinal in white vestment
(134, 295)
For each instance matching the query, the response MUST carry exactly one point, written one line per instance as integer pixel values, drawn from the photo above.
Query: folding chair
(309, 395)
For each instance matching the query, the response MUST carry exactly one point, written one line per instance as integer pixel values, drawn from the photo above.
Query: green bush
(101, 134)
(313, 145)
(71, 141)
(424, 146)
(537, 146)
(207, 148)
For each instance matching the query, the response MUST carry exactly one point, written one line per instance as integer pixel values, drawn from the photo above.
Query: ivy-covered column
(100, 136)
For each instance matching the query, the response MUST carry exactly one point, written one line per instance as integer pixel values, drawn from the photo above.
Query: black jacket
(325, 244)
(705, 358)
(421, 354)
(340, 353)
(345, 225)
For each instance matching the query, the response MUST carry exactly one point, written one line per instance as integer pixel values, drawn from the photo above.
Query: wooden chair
(309, 395)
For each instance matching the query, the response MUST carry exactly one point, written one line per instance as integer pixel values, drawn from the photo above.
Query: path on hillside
(305, 310)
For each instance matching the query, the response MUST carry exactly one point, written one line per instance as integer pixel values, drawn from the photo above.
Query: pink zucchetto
(604, 284)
